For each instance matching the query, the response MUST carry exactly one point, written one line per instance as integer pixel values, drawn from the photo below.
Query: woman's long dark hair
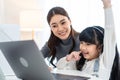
(115, 72)
(53, 40)
(93, 35)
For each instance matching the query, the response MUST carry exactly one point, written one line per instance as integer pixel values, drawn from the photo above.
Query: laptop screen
(26, 60)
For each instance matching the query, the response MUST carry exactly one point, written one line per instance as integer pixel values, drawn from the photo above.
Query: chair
(115, 73)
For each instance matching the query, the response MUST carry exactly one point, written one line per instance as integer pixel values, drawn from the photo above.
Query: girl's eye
(88, 43)
(81, 42)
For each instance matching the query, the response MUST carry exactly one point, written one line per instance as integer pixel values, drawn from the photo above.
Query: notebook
(28, 62)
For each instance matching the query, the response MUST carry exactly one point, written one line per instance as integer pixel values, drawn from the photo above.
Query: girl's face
(89, 50)
(60, 26)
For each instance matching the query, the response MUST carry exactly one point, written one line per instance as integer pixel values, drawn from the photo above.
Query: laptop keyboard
(69, 77)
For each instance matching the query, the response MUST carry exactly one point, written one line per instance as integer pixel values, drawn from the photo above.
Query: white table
(76, 73)
(11, 77)
(67, 72)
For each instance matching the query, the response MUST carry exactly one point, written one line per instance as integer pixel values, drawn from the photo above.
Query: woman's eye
(63, 23)
(54, 26)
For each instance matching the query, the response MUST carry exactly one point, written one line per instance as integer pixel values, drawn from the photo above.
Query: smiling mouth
(85, 53)
(62, 33)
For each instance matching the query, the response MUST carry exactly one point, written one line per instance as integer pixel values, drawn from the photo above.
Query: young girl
(97, 49)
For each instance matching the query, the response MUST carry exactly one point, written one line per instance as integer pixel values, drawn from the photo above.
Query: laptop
(28, 63)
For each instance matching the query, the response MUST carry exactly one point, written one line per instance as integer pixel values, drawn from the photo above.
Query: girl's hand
(106, 3)
(50, 68)
(75, 55)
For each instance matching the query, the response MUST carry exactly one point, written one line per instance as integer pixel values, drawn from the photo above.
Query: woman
(63, 39)
(97, 49)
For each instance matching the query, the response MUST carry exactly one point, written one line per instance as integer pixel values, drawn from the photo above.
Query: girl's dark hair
(53, 40)
(93, 35)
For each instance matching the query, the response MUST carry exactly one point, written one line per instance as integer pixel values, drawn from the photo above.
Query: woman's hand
(75, 55)
(106, 3)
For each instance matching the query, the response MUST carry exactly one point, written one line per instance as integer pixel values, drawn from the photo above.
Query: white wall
(116, 10)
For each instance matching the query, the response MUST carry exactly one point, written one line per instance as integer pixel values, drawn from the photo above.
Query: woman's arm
(45, 50)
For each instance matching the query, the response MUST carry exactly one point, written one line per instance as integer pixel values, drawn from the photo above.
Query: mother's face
(60, 26)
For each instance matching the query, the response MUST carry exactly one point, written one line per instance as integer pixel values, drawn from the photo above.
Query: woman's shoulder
(76, 35)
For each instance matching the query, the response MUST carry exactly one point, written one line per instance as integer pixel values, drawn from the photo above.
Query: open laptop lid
(26, 60)
(8, 32)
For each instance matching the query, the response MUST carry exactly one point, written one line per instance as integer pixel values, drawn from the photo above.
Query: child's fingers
(77, 55)
(73, 56)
